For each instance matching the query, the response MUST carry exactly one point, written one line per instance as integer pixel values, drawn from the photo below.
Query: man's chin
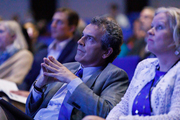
(53, 36)
(78, 58)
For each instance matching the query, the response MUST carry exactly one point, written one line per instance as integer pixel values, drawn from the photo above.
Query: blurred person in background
(15, 59)
(121, 19)
(42, 26)
(81, 25)
(63, 48)
(33, 34)
(138, 34)
(146, 17)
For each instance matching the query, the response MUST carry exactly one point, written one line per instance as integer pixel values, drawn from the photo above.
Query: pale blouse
(165, 97)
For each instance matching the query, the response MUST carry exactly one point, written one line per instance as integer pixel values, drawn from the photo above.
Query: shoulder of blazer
(72, 65)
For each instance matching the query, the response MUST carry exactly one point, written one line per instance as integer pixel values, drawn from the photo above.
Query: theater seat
(128, 64)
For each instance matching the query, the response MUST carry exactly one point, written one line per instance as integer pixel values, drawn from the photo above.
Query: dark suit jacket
(9, 112)
(67, 55)
(97, 96)
(2, 114)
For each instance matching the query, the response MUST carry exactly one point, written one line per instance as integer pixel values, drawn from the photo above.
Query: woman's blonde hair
(174, 21)
(14, 29)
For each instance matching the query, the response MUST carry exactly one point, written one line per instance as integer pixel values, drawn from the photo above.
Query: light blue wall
(11, 7)
(91, 8)
(165, 3)
(86, 8)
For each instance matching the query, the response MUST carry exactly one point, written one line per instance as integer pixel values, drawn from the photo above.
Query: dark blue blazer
(67, 55)
(10, 112)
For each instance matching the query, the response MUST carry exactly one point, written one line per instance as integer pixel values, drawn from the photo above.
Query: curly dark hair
(113, 36)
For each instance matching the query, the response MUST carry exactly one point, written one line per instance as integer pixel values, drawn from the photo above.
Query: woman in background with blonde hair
(15, 59)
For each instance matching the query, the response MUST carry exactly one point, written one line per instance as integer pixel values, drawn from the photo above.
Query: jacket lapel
(66, 51)
(93, 78)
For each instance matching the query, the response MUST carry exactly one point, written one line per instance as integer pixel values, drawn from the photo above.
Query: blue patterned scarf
(10, 51)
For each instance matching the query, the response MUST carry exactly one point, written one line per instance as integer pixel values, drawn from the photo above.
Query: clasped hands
(54, 71)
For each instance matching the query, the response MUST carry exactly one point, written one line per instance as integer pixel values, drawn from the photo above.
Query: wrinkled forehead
(60, 16)
(94, 30)
(161, 17)
(164, 18)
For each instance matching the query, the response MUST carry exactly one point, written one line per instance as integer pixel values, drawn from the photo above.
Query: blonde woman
(15, 59)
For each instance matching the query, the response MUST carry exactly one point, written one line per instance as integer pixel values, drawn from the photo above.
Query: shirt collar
(58, 45)
(89, 70)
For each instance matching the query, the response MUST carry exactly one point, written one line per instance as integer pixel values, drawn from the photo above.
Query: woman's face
(160, 37)
(5, 38)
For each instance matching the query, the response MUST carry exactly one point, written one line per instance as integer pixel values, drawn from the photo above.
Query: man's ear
(72, 28)
(107, 53)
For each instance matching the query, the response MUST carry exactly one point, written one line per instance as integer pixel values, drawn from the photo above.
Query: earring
(177, 52)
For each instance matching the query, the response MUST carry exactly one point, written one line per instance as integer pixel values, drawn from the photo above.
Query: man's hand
(54, 69)
(44, 80)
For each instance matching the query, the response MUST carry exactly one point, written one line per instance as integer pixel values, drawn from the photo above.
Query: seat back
(128, 64)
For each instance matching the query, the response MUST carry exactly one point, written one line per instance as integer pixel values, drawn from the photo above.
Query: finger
(52, 75)
(47, 68)
(49, 74)
(51, 58)
(43, 68)
(50, 63)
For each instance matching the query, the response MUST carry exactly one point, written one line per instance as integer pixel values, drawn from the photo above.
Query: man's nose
(53, 24)
(81, 41)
